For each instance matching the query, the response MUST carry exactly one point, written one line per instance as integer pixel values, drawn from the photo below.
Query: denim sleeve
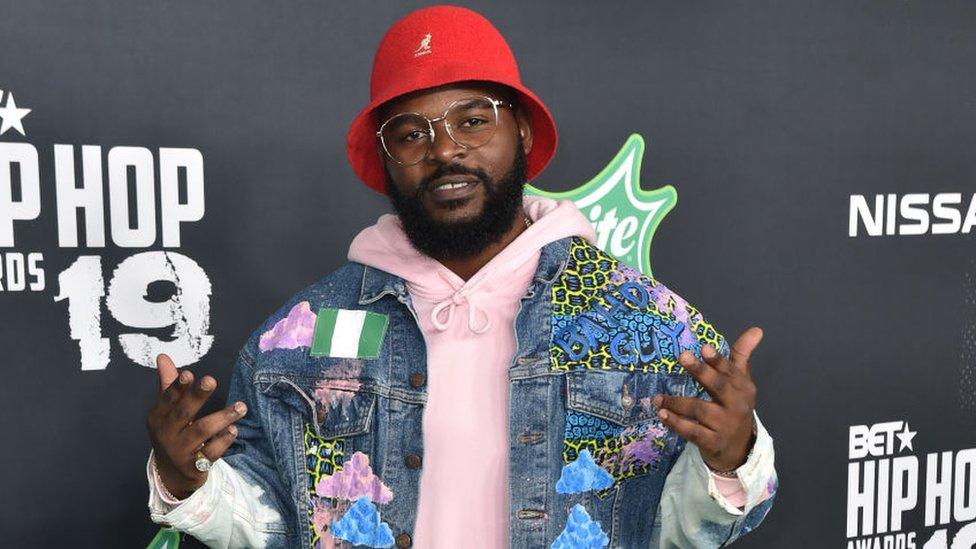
(242, 503)
(693, 512)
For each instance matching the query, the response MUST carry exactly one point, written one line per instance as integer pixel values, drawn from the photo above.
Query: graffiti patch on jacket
(606, 315)
(336, 483)
(623, 452)
(322, 458)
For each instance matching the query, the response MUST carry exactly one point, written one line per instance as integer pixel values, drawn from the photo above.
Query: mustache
(452, 169)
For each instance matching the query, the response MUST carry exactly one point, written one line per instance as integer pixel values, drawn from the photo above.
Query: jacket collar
(376, 283)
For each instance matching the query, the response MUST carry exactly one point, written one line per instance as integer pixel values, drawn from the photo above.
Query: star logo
(12, 116)
(905, 437)
(624, 215)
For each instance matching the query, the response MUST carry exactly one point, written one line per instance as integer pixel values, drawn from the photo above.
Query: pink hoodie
(468, 329)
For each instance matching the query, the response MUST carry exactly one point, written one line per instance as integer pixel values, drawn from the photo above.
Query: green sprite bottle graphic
(166, 538)
(624, 215)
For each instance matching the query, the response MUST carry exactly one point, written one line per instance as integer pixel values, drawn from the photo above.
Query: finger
(689, 430)
(208, 426)
(685, 406)
(173, 394)
(194, 397)
(167, 371)
(716, 360)
(709, 378)
(219, 443)
(702, 411)
(744, 346)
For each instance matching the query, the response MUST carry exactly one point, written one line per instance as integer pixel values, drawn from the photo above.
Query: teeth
(449, 186)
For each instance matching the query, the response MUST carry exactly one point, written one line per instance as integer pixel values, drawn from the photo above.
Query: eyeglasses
(470, 122)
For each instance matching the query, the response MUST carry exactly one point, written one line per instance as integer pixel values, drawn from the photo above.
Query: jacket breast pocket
(610, 415)
(336, 410)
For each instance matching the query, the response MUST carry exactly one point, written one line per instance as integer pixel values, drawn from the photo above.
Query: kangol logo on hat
(471, 48)
(424, 48)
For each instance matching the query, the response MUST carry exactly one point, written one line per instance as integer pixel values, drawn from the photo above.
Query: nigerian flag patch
(348, 333)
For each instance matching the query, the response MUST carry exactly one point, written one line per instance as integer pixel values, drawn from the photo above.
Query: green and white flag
(348, 333)
(166, 538)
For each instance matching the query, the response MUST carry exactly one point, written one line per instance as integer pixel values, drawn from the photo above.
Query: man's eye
(414, 135)
(474, 122)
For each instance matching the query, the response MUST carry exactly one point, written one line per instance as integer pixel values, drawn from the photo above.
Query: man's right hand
(176, 436)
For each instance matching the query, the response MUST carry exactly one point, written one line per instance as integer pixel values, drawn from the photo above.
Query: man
(479, 374)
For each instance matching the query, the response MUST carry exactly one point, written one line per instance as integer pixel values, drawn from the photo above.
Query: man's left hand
(721, 428)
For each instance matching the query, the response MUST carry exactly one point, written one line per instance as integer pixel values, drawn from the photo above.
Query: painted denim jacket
(330, 452)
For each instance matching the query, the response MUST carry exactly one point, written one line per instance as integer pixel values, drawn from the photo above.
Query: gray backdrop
(765, 116)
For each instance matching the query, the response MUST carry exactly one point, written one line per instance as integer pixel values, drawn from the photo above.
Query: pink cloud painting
(354, 480)
(293, 331)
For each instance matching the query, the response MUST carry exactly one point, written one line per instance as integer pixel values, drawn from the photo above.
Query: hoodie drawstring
(458, 298)
(449, 305)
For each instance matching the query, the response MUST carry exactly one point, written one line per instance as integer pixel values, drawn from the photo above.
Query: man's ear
(524, 123)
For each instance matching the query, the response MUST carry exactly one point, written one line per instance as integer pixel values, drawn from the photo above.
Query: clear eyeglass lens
(407, 137)
(470, 122)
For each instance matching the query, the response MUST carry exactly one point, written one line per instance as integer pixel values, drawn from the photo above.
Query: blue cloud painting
(581, 532)
(583, 474)
(361, 526)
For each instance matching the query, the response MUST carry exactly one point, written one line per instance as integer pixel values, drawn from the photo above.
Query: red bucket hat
(431, 47)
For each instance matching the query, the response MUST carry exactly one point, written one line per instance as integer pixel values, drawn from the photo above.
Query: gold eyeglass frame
(495, 103)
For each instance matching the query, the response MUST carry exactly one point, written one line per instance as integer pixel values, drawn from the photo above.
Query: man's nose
(444, 149)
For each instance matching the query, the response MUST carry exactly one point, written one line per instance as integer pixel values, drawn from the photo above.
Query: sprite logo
(624, 215)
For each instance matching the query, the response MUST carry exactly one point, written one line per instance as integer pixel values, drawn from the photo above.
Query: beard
(469, 237)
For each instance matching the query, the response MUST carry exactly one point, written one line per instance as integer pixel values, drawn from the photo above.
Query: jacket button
(413, 461)
(417, 379)
(627, 401)
(403, 540)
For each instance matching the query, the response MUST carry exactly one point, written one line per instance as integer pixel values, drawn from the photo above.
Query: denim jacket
(330, 452)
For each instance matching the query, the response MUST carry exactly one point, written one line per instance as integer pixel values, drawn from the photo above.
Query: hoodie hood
(385, 246)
